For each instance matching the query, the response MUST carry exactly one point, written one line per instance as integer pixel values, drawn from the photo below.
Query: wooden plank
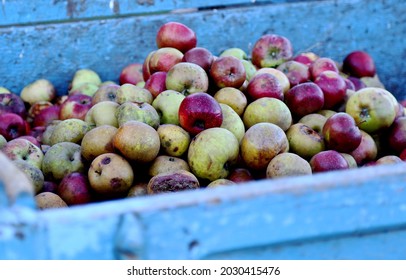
(55, 51)
(18, 12)
(290, 218)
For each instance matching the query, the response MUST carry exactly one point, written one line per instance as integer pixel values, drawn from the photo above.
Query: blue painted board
(353, 214)
(56, 51)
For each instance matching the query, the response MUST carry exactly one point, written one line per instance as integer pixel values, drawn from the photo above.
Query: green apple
(70, 130)
(250, 69)
(372, 108)
(167, 105)
(187, 78)
(102, 113)
(164, 163)
(174, 139)
(304, 141)
(236, 52)
(261, 143)
(24, 150)
(314, 120)
(86, 89)
(288, 164)
(268, 109)
(61, 159)
(85, 76)
(39, 90)
(46, 136)
(33, 173)
(98, 141)
(233, 97)
(105, 93)
(133, 93)
(350, 160)
(4, 90)
(3, 141)
(143, 112)
(211, 152)
(232, 122)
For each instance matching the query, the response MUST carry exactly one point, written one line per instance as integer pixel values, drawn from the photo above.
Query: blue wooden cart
(353, 214)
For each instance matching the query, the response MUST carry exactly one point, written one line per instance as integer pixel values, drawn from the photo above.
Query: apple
(137, 141)
(143, 112)
(105, 93)
(12, 103)
(320, 65)
(315, 121)
(102, 113)
(305, 98)
(75, 106)
(12, 126)
(268, 109)
(69, 130)
(220, 183)
(46, 116)
(232, 122)
(75, 189)
(22, 149)
(199, 111)
(264, 85)
(240, 174)
(233, 97)
(163, 59)
(84, 76)
(176, 35)
(4, 90)
(366, 151)
(296, 72)
(139, 189)
(304, 141)
(86, 89)
(373, 81)
(165, 163)
(146, 73)
(49, 200)
(388, 159)
(167, 105)
(282, 78)
(373, 109)
(359, 64)
(212, 152)
(36, 108)
(402, 155)
(156, 83)
(227, 71)
(327, 161)
(3, 141)
(131, 74)
(333, 86)
(235, 52)
(133, 93)
(187, 78)
(110, 175)
(261, 143)
(250, 69)
(306, 58)
(287, 164)
(341, 133)
(271, 50)
(61, 159)
(46, 132)
(39, 90)
(357, 82)
(397, 135)
(97, 141)
(174, 139)
(173, 181)
(200, 56)
(33, 173)
(32, 139)
(350, 160)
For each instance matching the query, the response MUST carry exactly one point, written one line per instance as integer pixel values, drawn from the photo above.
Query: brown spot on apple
(106, 160)
(115, 183)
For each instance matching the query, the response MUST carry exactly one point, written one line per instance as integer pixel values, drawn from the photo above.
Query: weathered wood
(55, 51)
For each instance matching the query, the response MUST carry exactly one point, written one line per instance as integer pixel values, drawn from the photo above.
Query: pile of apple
(186, 118)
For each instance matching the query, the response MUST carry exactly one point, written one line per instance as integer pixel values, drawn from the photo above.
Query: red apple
(304, 98)
(46, 116)
(131, 74)
(199, 111)
(200, 56)
(12, 126)
(397, 135)
(366, 151)
(75, 106)
(264, 85)
(49, 186)
(176, 35)
(357, 82)
(402, 155)
(37, 107)
(333, 86)
(359, 64)
(156, 83)
(146, 73)
(271, 50)
(239, 175)
(327, 161)
(341, 133)
(75, 189)
(12, 103)
(228, 71)
(306, 58)
(322, 64)
(295, 71)
(163, 59)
